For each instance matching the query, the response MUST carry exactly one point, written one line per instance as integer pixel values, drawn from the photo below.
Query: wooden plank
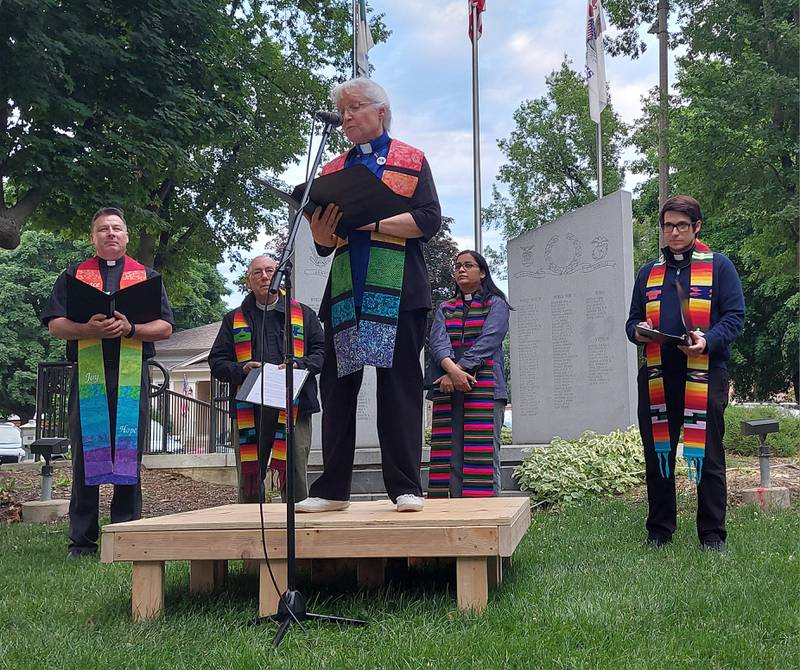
(472, 583)
(147, 590)
(252, 566)
(322, 543)
(494, 566)
(454, 512)
(268, 597)
(107, 548)
(371, 572)
(511, 536)
(206, 575)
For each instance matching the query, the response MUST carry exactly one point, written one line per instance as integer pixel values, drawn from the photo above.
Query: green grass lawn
(583, 592)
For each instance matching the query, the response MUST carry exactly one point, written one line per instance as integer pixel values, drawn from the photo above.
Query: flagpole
(599, 162)
(476, 130)
(355, 38)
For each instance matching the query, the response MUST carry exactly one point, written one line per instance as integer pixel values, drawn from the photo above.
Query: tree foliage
(734, 146)
(552, 157)
(167, 109)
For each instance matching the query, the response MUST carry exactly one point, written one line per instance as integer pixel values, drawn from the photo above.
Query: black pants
(84, 503)
(399, 405)
(712, 490)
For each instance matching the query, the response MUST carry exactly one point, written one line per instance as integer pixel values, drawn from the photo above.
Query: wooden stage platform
(477, 533)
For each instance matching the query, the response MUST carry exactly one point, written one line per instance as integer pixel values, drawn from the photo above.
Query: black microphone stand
(292, 606)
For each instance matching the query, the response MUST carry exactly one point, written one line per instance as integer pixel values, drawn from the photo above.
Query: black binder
(362, 197)
(140, 303)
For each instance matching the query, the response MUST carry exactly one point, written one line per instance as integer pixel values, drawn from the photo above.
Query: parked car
(173, 445)
(11, 450)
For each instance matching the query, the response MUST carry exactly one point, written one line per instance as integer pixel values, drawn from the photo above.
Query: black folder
(664, 338)
(140, 303)
(362, 197)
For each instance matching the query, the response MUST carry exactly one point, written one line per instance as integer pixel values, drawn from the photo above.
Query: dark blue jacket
(727, 308)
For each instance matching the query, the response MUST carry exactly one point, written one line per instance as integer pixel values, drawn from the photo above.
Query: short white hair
(369, 88)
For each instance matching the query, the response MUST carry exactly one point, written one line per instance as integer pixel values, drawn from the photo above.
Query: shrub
(786, 442)
(592, 465)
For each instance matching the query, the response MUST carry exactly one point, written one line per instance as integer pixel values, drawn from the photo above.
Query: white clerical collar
(268, 307)
(365, 148)
(678, 257)
(468, 296)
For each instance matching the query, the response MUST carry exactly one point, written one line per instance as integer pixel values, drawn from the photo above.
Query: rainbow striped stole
(371, 342)
(104, 463)
(696, 391)
(463, 327)
(245, 412)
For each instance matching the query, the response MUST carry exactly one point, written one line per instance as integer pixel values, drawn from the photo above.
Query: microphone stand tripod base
(292, 609)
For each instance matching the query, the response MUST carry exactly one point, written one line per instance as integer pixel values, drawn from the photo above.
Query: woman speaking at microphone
(374, 307)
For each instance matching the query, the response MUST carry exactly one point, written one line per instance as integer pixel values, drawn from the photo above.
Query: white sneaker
(408, 502)
(321, 505)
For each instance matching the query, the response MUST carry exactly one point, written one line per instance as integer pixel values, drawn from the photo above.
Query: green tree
(28, 275)
(167, 109)
(440, 254)
(552, 157)
(196, 294)
(734, 146)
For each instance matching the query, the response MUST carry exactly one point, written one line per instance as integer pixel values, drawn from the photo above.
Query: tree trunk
(147, 249)
(12, 218)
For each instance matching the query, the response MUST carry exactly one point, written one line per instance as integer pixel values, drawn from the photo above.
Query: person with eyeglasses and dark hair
(696, 293)
(375, 307)
(237, 350)
(470, 395)
(107, 420)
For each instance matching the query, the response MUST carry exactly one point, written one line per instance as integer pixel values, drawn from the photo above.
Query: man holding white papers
(236, 352)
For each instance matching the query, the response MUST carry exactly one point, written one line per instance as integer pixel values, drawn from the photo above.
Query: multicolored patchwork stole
(102, 462)
(246, 415)
(371, 342)
(696, 393)
(478, 470)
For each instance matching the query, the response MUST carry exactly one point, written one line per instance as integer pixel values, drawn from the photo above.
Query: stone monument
(570, 284)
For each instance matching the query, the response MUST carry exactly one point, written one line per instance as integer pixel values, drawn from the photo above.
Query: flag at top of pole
(595, 59)
(362, 39)
(480, 6)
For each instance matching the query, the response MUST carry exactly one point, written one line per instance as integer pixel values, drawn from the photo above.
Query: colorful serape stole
(104, 463)
(245, 412)
(696, 391)
(371, 342)
(478, 435)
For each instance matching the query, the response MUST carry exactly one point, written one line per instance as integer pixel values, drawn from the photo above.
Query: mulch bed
(163, 492)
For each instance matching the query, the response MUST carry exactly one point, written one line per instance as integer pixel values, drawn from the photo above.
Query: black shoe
(76, 552)
(658, 541)
(714, 545)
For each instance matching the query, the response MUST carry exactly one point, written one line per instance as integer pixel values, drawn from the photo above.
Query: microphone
(333, 119)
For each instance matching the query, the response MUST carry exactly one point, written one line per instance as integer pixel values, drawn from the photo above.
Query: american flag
(480, 6)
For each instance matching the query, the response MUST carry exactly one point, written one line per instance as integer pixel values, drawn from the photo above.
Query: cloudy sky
(425, 67)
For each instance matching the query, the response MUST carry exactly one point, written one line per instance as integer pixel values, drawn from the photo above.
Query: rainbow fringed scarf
(371, 342)
(696, 393)
(245, 412)
(464, 326)
(106, 461)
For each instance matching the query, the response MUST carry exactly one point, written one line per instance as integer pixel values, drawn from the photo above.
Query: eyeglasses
(356, 107)
(680, 227)
(261, 273)
(465, 266)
